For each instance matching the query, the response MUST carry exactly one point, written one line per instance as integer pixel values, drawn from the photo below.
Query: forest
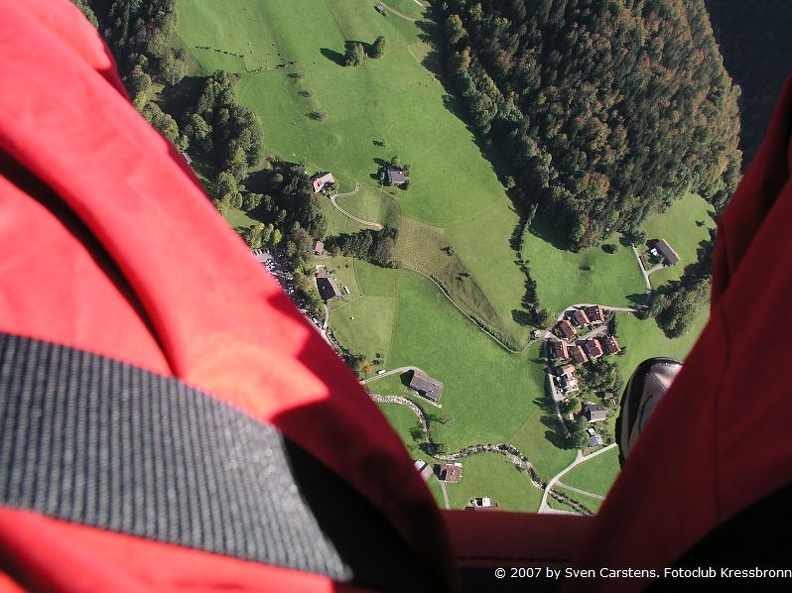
(605, 111)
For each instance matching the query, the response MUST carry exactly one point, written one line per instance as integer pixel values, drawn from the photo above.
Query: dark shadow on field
(333, 56)
(637, 299)
(555, 432)
(406, 377)
(544, 231)
(522, 317)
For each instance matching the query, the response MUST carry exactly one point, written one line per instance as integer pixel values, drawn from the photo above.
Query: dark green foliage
(608, 111)
(223, 131)
(165, 124)
(373, 246)
(379, 48)
(598, 376)
(306, 291)
(355, 54)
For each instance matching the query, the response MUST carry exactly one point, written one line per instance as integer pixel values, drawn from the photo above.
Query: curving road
(543, 507)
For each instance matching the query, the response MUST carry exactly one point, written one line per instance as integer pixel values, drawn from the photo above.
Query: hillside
(609, 111)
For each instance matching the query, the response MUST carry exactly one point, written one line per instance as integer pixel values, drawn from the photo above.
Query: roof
(610, 344)
(567, 369)
(320, 180)
(425, 385)
(569, 383)
(595, 412)
(595, 313)
(579, 317)
(560, 350)
(593, 347)
(328, 289)
(566, 329)
(318, 247)
(396, 176)
(451, 472)
(577, 354)
(667, 252)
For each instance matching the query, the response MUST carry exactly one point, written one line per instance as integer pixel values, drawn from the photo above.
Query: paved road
(543, 507)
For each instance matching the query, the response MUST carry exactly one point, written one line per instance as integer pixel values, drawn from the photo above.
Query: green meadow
(389, 107)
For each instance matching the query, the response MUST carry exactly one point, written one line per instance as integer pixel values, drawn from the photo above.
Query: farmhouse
(595, 314)
(565, 330)
(593, 348)
(595, 412)
(422, 383)
(610, 345)
(669, 255)
(559, 349)
(450, 472)
(328, 289)
(577, 354)
(320, 180)
(424, 469)
(395, 176)
(579, 317)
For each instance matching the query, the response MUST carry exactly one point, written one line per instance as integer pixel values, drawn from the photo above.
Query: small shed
(395, 176)
(320, 180)
(450, 472)
(318, 248)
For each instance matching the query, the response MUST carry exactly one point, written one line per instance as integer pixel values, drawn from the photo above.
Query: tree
(355, 54)
(380, 47)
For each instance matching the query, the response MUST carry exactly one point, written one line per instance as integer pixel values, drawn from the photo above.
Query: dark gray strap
(91, 440)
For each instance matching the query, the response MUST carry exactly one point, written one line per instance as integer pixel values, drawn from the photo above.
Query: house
(577, 354)
(595, 412)
(429, 388)
(579, 317)
(318, 248)
(595, 314)
(565, 371)
(610, 345)
(665, 250)
(568, 383)
(565, 330)
(320, 180)
(559, 349)
(328, 289)
(424, 469)
(395, 176)
(449, 472)
(593, 348)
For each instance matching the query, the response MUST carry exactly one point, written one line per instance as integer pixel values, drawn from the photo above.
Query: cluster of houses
(577, 350)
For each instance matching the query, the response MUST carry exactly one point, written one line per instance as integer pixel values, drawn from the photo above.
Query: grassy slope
(595, 475)
(394, 98)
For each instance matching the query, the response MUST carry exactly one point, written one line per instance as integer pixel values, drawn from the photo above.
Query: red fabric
(110, 245)
(720, 439)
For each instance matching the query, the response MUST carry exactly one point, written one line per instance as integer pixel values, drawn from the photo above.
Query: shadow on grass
(333, 56)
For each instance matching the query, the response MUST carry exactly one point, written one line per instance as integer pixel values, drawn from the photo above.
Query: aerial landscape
(493, 211)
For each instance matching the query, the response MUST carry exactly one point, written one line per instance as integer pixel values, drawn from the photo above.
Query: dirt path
(373, 225)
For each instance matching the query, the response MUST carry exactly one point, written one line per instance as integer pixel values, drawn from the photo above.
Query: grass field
(595, 475)
(684, 225)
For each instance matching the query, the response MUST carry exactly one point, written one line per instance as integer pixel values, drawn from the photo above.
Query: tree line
(605, 111)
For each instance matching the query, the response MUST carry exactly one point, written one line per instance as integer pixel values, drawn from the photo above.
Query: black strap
(91, 440)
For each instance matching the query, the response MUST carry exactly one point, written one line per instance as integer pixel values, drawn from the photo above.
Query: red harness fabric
(111, 246)
(720, 439)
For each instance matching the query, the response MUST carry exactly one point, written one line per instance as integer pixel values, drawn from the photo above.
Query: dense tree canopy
(608, 111)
